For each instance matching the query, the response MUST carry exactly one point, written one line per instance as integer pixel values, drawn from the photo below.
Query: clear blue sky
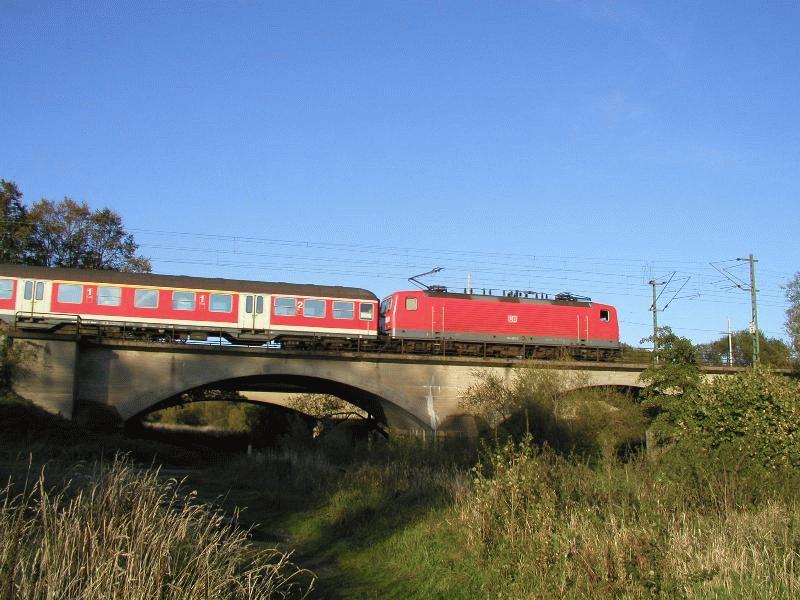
(582, 146)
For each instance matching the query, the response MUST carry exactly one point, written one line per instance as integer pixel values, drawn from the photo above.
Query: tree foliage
(70, 234)
(754, 414)
(774, 352)
(64, 234)
(14, 227)
(673, 376)
(793, 312)
(675, 368)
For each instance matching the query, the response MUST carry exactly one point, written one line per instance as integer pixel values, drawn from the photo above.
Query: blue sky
(581, 146)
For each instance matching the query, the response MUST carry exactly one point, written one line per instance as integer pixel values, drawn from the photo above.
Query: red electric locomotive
(514, 324)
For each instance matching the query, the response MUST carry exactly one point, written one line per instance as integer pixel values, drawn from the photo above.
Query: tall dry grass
(119, 532)
(549, 526)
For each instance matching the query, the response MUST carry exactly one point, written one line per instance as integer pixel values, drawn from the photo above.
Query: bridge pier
(46, 373)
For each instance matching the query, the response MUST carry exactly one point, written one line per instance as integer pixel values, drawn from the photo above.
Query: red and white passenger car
(49, 298)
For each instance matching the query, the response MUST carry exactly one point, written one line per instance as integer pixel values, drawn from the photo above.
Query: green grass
(403, 519)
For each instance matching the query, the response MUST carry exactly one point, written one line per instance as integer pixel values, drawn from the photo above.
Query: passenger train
(308, 317)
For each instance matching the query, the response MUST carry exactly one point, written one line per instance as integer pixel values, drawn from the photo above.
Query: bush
(754, 414)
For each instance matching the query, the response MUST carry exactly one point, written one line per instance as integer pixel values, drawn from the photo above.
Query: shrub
(755, 414)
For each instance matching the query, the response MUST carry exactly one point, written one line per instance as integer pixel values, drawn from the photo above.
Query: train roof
(493, 298)
(184, 281)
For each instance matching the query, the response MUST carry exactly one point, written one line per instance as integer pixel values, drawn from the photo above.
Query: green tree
(793, 312)
(774, 352)
(14, 224)
(70, 234)
(673, 376)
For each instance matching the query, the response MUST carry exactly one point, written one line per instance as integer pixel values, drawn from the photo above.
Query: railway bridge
(125, 379)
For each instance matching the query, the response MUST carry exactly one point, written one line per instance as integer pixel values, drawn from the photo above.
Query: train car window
(183, 301)
(604, 315)
(386, 305)
(70, 294)
(259, 305)
(221, 303)
(6, 288)
(285, 307)
(248, 305)
(40, 290)
(145, 298)
(109, 296)
(343, 310)
(411, 304)
(28, 290)
(314, 308)
(366, 312)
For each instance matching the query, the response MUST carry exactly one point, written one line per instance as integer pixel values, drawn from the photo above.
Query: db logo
(512, 318)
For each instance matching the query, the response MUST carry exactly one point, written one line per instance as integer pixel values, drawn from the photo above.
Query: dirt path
(257, 521)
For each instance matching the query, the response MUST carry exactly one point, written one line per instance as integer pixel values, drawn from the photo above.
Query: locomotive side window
(314, 308)
(109, 296)
(411, 304)
(366, 312)
(386, 305)
(604, 316)
(183, 300)
(285, 307)
(145, 298)
(6, 288)
(343, 310)
(221, 303)
(70, 294)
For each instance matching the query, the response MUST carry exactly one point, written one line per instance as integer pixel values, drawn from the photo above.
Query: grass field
(396, 519)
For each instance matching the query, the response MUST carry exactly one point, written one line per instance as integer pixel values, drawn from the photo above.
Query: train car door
(35, 296)
(583, 329)
(255, 312)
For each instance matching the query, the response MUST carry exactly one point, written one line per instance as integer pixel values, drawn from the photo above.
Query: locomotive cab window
(343, 310)
(70, 294)
(604, 316)
(314, 308)
(109, 296)
(366, 311)
(386, 305)
(183, 300)
(6, 289)
(221, 303)
(285, 307)
(411, 304)
(145, 298)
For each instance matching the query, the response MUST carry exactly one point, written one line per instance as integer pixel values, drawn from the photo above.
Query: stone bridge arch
(130, 381)
(270, 388)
